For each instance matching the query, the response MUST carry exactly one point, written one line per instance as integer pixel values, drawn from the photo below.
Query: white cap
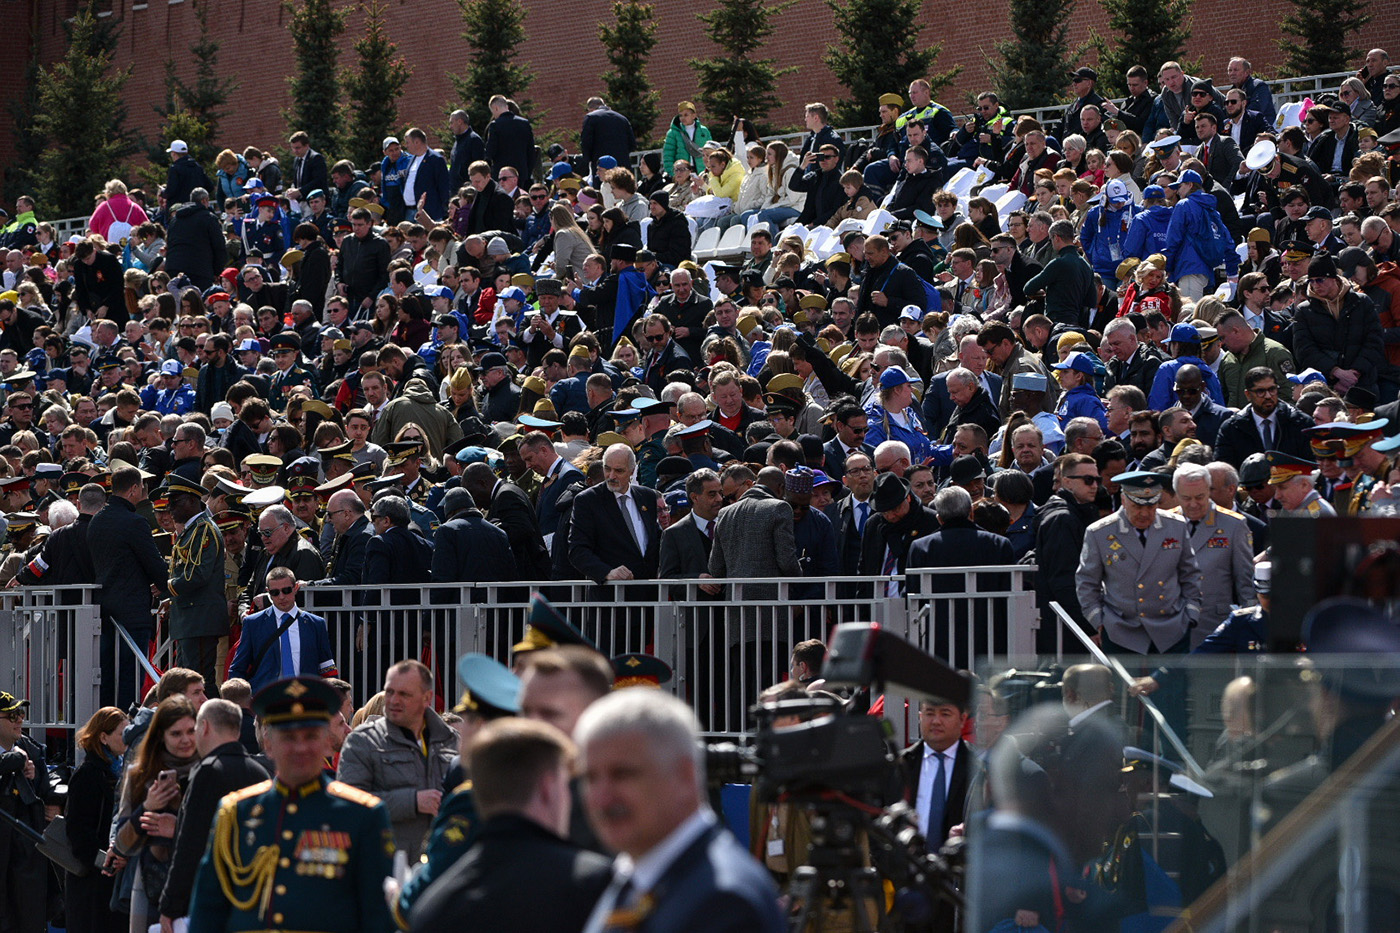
(221, 410)
(389, 141)
(1260, 154)
(912, 312)
(178, 146)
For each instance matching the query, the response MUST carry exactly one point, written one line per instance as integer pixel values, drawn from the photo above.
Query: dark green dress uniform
(296, 375)
(304, 859)
(649, 457)
(309, 858)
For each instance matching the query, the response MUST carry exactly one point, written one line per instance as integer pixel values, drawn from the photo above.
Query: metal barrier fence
(50, 640)
(724, 647)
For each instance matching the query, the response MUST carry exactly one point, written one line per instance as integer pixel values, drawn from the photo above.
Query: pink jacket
(116, 208)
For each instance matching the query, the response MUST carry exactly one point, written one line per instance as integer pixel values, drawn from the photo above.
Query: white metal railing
(723, 648)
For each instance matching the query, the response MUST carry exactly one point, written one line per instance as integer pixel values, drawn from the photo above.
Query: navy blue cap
(1079, 362)
(296, 701)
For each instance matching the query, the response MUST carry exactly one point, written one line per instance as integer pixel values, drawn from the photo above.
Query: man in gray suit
(1139, 584)
(1224, 548)
(754, 537)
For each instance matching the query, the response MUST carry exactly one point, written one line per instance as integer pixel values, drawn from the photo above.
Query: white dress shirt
(927, 772)
(627, 502)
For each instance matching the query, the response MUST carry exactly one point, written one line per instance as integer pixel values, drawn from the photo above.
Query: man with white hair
(1223, 544)
(1292, 482)
(614, 534)
(644, 789)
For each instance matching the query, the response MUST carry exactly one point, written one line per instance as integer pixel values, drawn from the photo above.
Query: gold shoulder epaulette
(1230, 512)
(349, 792)
(465, 785)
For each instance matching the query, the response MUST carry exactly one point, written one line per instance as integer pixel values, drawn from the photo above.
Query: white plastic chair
(707, 244)
(1013, 200)
(733, 242)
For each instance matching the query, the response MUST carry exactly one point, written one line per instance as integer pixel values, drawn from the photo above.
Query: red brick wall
(564, 52)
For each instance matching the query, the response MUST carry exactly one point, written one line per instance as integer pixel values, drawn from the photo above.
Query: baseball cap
(1190, 176)
(178, 145)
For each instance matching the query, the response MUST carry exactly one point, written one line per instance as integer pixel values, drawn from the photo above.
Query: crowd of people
(488, 364)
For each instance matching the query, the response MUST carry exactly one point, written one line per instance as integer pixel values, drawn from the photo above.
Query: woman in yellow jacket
(723, 178)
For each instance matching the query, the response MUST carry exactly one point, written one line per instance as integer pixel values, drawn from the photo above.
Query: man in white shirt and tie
(677, 867)
(937, 767)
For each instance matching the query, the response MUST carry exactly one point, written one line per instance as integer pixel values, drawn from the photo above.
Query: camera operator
(780, 834)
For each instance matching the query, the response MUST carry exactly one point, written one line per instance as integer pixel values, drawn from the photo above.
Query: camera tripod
(836, 890)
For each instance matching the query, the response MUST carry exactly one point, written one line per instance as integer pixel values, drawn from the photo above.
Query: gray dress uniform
(1224, 548)
(1144, 596)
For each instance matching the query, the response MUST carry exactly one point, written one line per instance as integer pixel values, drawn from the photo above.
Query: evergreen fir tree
(737, 82)
(628, 40)
(494, 32)
(82, 120)
(879, 53)
(374, 89)
(316, 25)
(1315, 35)
(1032, 65)
(29, 142)
(1146, 33)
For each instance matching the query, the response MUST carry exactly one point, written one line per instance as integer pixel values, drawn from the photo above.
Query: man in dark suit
(308, 166)
(467, 147)
(557, 474)
(1014, 265)
(1244, 433)
(1218, 153)
(898, 521)
(1334, 151)
(396, 554)
(345, 511)
(685, 546)
(1241, 124)
(665, 356)
(492, 208)
(605, 132)
(510, 140)
(225, 766)
(614, 533)
(282, 640)
(283, 546)
(850, 422)
(1130, 362)
(937, 769)
(129, 570)
(427, 176)
(854, 510)
(520, 784)
(645, 798)
(508, 507)
(467, 548)
(198, 610)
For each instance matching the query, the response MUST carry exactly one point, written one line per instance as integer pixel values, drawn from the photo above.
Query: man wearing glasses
(283, 640)
(283, 547)
(24, 791)
(1059, 537)
(820, 178)
(1082, 84)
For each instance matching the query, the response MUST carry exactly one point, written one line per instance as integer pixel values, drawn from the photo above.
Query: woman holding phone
(150, 800)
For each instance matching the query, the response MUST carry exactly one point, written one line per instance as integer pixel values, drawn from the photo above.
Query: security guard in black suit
(301, 852)
(489, 691)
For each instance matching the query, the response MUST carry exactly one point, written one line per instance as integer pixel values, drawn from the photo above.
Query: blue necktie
(937, 801)
(862, 513)
(288, 663)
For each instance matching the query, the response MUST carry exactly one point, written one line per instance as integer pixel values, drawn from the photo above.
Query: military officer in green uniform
(285, 350)
(1292, 479)
(489, 691)
(1354, 446)
(198, 610)
(301, 852)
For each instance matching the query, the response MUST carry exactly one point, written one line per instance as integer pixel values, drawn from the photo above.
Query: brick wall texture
(563, 50)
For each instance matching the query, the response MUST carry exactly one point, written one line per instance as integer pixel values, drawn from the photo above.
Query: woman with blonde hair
(230, 175)
(116, 210)
(723, 177)
(572, 244)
